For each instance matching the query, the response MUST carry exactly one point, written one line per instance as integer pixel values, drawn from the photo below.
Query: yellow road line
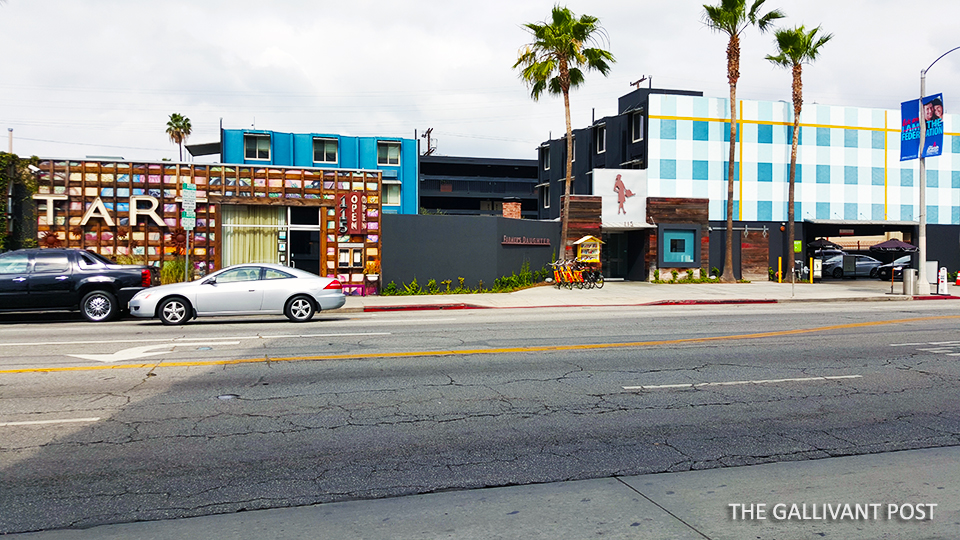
(467, 352)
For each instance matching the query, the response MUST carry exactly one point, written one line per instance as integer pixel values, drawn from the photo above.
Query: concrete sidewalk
(633, 293)
(871, 496)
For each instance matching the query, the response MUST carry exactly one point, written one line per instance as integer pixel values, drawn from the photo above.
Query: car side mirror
(209, 281)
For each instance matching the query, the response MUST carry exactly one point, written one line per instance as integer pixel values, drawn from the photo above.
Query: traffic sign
(188, 203)
(188, 220)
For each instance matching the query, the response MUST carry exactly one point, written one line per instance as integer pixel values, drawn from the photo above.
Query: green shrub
(526, 278)
(173, 271)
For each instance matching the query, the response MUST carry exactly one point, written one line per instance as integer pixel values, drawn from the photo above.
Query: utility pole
(430, 146)
(649, 79)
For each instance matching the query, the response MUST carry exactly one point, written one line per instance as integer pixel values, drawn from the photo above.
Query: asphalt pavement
(895, 495)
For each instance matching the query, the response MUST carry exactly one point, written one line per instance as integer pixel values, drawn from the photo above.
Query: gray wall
(445, 247)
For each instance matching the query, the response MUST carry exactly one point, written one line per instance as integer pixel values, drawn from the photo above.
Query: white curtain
(249, 233)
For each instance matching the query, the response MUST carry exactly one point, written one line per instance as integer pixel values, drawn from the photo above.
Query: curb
(745, 301)
(695, 302)
(421, 307)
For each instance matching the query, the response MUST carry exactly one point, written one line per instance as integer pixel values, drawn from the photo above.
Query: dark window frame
(661, 244)
(256, 150)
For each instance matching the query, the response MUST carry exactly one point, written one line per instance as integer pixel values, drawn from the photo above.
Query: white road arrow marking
(142, 352)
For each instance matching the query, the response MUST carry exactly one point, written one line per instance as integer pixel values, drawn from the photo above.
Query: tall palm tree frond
(178, 129)
(731, 17)
(555, 62)
(796, 47)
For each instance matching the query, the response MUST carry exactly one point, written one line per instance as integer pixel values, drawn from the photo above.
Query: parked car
(70, 279)
(243, 289)
(897, 266)
(826, 253)
(865, 266)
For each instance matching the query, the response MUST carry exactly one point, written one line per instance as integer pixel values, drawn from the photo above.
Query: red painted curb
(421, 307)
(691, 302)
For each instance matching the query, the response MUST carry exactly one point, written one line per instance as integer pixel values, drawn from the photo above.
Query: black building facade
(612, 142)
(477, 186)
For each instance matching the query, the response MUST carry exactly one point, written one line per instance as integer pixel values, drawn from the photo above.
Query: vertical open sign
(351, 211)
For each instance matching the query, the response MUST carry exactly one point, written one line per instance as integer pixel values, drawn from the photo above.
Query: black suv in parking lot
(70, 279)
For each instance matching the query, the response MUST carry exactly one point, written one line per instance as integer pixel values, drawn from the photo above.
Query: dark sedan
(897, 266)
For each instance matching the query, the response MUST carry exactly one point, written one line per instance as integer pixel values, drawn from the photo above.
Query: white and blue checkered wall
(848, 161)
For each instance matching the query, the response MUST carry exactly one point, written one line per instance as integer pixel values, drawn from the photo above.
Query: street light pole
(922, 283)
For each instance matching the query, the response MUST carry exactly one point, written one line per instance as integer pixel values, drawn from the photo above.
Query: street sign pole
(188, 220)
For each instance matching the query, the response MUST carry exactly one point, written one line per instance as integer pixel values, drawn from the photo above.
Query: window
(324, 150)
(51, 262)
(13, 263)
(545, 157)
(545, 191)
(600, 134)
(247, 273)
(636, 126)
(679, 246)
(350, 257)
(256, 146)
(388, 153)
(270, 273)
(87, 260)
(391, 193)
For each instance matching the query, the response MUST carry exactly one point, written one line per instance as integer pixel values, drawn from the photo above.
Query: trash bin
(910, 281)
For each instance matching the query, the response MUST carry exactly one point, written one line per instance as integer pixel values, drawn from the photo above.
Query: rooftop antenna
(649, 80)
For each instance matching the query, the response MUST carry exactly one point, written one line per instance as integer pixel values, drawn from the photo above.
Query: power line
(97, 145)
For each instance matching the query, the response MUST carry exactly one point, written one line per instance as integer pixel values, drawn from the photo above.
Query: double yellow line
(470, 352)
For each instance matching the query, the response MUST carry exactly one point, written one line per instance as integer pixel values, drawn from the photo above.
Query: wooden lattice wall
(73, 187)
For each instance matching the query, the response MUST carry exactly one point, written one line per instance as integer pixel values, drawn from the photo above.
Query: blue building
(394, 156)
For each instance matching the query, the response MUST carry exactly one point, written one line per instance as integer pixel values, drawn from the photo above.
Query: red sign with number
(351, 212)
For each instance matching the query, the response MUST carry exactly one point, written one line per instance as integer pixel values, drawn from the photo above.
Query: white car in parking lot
(243, 289)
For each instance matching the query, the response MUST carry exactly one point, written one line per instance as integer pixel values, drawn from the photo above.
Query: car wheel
(98, 306)
(299, 309)
(873, 272)
(882, 274)
(838, 273)
(174, 311)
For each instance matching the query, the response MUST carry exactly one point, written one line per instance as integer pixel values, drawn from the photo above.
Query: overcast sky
(101, 77)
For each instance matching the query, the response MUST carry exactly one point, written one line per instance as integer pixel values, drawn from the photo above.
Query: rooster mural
(622, 194)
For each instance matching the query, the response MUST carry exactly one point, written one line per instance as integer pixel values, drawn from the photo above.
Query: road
(135, 421)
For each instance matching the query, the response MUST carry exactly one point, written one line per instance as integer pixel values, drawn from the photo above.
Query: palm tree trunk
(564, 217)
(728, 275)
(733, 74)
(791, 217)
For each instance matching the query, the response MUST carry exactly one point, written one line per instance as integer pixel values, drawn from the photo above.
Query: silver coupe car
(243, 289)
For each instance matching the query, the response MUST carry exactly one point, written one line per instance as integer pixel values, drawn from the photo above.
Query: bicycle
(592, 277)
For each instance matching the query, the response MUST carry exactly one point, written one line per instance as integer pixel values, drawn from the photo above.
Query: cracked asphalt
(197, 439)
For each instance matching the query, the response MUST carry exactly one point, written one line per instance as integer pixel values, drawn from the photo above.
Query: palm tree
(796, 47)
(731, 17)
(178, 128)
(553, 63)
